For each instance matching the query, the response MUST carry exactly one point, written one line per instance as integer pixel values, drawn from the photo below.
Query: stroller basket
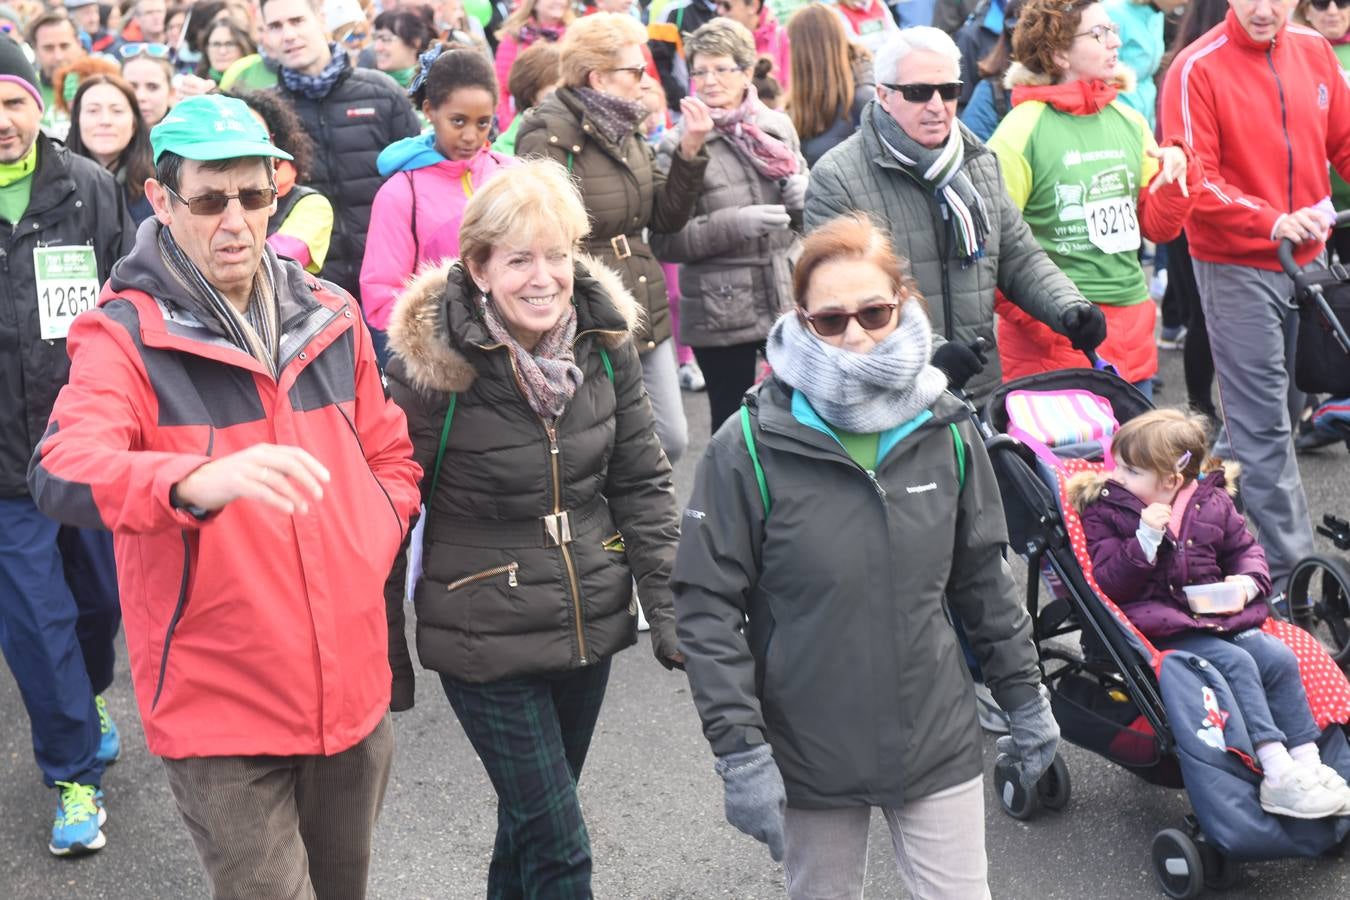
(1103, 719)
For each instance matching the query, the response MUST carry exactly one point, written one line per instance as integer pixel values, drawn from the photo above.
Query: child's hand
(1249, 591)
(1156, 516)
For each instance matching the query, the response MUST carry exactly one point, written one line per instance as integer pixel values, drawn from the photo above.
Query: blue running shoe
(78, 820)
(110, 744)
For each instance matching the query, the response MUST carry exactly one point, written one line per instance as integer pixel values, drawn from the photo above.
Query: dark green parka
(534, 533)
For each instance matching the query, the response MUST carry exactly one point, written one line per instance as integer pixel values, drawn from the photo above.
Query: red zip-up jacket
(249, 632)
(1265, 118)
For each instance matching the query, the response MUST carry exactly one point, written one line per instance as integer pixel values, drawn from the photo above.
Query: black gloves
(960, 362)
(1085, 326)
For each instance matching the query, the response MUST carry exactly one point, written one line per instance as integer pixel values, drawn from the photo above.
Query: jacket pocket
(178, 609)
(728, 297)
(509, 570)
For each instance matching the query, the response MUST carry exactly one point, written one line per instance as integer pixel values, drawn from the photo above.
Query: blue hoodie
(408, 154)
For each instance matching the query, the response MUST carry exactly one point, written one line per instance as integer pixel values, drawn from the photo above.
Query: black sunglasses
(922, 93)
(832, 324)
(214, 204)
(1321, 5)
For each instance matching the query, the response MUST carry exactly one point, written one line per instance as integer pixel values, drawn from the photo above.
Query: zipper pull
(881, 491)
(511, 575)
(552, 439)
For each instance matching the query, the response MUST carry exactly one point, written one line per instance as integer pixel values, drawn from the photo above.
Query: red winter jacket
(250, 632)
(1264, 118)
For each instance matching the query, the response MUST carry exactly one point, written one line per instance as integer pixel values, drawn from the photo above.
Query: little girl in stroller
(1162, 520)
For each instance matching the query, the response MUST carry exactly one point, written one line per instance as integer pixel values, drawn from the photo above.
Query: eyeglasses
(144, 48)
(718, 72)
(922, 93)
(832, 324)
(636, 71)
(222, 45)
(214, 204)
(1099, 32)
(1321, 5)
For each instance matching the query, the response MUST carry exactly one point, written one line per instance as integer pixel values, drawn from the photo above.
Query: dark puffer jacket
(1213, 543)
(365, 112)
(73, 201)
(625, 193)
(499, 597)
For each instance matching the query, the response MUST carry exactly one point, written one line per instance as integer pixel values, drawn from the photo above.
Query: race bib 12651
(67, 285)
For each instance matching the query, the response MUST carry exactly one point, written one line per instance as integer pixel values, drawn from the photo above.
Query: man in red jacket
(1264, 106)
(226, 420)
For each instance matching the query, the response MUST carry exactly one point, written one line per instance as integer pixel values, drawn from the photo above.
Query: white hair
(905, 41)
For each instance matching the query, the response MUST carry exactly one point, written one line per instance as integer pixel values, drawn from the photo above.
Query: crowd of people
(308, 305)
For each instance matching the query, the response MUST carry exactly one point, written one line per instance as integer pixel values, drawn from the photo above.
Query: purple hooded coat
(1212, 544)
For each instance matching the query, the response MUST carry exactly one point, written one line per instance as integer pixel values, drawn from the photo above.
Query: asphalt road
(653, 804)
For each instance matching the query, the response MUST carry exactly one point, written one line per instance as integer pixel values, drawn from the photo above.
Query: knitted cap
(15, 68)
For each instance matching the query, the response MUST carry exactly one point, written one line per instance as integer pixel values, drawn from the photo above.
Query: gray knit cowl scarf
(548, 375)
(860, 392)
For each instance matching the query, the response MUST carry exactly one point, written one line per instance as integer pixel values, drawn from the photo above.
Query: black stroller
(1111, 691)
(1319, 586)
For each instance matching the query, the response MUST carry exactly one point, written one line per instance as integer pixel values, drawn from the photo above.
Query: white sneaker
(1157, 286)
(1330, 779)
(992, 717)
(691, 377)
(1300, 795)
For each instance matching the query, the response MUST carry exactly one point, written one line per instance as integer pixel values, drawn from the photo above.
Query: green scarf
(16, 185)
(12, 172)
(404, 77)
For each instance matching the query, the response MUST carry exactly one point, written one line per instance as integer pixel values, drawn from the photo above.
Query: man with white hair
(939, 191)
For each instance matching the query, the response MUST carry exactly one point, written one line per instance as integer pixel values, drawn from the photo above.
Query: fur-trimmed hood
(437, 314)
(1123, 80)
(1085, 488)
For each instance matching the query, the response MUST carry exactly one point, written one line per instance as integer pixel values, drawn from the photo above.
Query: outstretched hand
(1172, 168)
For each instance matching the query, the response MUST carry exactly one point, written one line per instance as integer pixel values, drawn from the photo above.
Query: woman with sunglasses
(590, 126)
(1331, 19)
(106, 126)
(834, 526)
(1091, 183)
(530, 21)
(734, 250)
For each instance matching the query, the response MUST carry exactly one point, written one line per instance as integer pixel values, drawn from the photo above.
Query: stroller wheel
(1054, 787)
(1221, 872)
(1017, 801)
(1319, 602)
(1177, 863)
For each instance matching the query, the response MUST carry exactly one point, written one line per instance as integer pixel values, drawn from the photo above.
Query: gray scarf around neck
(860, 392)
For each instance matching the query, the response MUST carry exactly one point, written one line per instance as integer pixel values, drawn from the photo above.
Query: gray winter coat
(732, 289)
(501, 595)
(847, 664)
(860, 174)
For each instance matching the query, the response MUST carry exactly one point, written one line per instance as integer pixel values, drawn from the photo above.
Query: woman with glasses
(402, 35)
(1091, 183)
(106, 126)
(834, 526)
(546, 495)
(832, 80)
(734, 250)
(590, 125)
(1331, 19)
(530, 21)
(226, 44)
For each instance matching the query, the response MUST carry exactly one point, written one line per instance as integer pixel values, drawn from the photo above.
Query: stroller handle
(1285, 252)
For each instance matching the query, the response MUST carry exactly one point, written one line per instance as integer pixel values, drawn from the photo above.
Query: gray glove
(755, 797)
(757, 221)
(1033, 735)
(793, 191)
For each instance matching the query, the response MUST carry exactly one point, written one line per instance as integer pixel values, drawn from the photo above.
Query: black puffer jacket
(499, 596)
(73, 201)
(365, 112)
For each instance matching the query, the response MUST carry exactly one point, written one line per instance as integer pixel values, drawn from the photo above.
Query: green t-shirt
(861, 448)
(1077, 181)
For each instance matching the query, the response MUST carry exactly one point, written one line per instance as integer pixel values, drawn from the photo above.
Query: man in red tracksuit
(226, 420)
(1264, 106)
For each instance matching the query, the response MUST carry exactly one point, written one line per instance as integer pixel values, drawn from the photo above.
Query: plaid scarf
(771, 157)
(940, 172)
(316, 87)
(532, 31)
(614, 117)
(257, 331)
(548, 375)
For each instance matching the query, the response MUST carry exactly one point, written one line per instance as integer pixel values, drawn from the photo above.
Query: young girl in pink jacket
(416, 216)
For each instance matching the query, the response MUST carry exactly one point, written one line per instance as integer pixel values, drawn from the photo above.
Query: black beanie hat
(15, 68)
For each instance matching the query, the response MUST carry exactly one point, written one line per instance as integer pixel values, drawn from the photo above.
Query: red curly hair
(1045, 28)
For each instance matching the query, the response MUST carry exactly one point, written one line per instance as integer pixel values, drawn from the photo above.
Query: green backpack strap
(609, 366)
(440, 451)
(960, 456)
(749, 433)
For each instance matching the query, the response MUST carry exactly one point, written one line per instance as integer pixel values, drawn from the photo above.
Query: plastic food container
(1219, 597)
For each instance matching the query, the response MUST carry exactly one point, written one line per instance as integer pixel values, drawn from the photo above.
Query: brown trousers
(285, 827)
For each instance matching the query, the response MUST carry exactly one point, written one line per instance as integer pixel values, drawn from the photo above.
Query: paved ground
(652, 802)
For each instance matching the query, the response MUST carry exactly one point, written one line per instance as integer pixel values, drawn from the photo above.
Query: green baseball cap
(212, 126)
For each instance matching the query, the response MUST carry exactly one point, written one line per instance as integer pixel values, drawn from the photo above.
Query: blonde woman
(546, 495)
(590, 125)
(530, 21)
